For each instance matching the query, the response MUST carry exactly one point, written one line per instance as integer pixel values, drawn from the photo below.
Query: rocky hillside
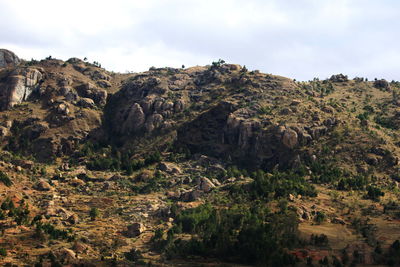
(195, 166)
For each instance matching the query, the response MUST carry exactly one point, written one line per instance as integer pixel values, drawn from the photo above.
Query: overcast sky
(300, 39)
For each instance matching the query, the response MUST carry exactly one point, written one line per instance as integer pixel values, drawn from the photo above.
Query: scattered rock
(338, 220)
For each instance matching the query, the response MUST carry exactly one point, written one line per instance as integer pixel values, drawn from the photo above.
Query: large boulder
(20, 84)
(65, 255)
(169, 168)
(8, 59)
(135, 229)
(290, 138)
(205, 184)
(42, 185)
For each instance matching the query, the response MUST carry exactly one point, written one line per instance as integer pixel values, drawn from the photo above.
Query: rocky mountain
(195, 166)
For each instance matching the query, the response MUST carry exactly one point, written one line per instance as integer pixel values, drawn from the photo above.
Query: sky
(300, 39)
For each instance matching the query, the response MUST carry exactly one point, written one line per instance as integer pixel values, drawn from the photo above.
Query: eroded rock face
(20, 84)
(8, 59)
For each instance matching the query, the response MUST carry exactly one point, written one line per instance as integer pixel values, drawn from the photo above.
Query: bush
(320, 217)
(52, 231)
(319, 240)
(133, 255)
(3, 252)
(374, 193)
(5, 179)
(94, 213)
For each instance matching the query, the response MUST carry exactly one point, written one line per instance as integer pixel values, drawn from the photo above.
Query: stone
(135, 119)
(26, 164)
(86, 102)
(306, 215)
(63, 109)
(169, 168)
(328, 109)
(42, 185)
(290, 138)
(135, 229)
(77, 182)
(286, 111)
(205, 184)
(338, 220)
(73, 219)
(190, 196)
(8, 59)
(216, 182)
(20, 84)
(80, 247)
(99, 96)
(144, 176)
(65, 255)
(295, 102)
(104, 84)
(4, 131)
(339, 78)
(372, 159)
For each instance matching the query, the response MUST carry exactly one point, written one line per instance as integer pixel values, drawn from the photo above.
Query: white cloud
(297, 38)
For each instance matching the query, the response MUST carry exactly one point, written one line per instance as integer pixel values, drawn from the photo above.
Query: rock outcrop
(8, 59)
(18, 86)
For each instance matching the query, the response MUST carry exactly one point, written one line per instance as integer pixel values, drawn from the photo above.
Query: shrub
(374, 193)
(3, 252)
(133, 255)
(5, 179)
(94, 213)
(320, 217)
(319, 240)
(52, 231)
